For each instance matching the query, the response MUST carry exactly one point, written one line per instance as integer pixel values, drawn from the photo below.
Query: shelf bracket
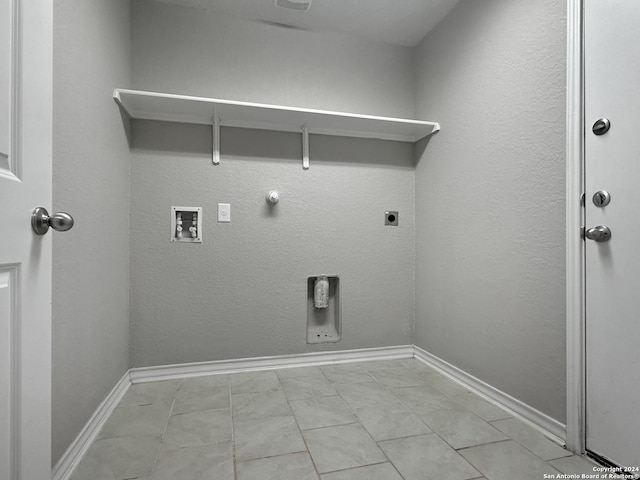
(215, 126)
(305, 147)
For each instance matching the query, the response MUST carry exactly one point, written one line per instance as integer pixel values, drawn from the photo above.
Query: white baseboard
(68, 462)
(542, 421)
(184, 370)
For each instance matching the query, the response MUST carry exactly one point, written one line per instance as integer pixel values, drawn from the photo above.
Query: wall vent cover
(294, 4)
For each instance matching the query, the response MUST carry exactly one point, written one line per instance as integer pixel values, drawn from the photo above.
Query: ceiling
(400, 22)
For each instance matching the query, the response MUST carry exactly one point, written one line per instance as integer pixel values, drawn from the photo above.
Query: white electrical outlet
(224, 212)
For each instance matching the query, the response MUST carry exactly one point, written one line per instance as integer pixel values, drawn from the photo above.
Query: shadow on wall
(166, 138)
(419, 148)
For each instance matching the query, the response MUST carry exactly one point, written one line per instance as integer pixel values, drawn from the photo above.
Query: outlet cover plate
(224, 212)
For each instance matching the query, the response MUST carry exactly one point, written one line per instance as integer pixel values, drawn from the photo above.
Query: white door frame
(575, 248)
(575, 256)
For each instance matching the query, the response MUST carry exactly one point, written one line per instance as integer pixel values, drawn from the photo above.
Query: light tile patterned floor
(379, 420)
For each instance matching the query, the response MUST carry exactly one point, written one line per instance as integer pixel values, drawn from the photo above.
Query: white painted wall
(91, 181)
(242, 292)
(197, 52)
(490, 197)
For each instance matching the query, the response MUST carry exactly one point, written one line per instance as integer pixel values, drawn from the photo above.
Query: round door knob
(601, 233)
(41, 221)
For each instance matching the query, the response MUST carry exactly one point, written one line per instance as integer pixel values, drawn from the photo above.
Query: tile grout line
(155, 462)
(357, 422)
(233, 429)
(327, 426)
(509, 439)
(295, 419)
(289, 414)
(473, 414)
(383, 453)
(558, 458)
(527, 448)
(365, 429)
(410, 436)
(480, 444)
(362, 466)
(433, 432)
(457, 450)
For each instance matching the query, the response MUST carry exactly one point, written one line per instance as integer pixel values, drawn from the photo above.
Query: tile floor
(378, 420)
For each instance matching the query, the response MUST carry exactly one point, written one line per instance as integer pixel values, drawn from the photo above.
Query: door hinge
(582, 199)
(582, 233)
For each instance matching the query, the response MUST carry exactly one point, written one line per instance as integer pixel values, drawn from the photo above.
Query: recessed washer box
(324, 325)
(186, 224)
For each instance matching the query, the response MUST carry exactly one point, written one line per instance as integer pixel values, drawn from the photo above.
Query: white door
(25, 259)
(612, 163)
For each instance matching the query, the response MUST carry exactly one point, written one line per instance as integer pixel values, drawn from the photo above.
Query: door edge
(575, 258)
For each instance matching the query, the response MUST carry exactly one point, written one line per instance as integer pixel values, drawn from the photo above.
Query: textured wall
(490, 196)
(242, 292)
(488, 193)
(91, 181)
(197, 52)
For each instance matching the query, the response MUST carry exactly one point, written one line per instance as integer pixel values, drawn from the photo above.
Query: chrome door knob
(601, 233)
(41, 221)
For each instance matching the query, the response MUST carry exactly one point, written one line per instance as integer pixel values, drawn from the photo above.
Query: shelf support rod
(305, 147)
(215, 125)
